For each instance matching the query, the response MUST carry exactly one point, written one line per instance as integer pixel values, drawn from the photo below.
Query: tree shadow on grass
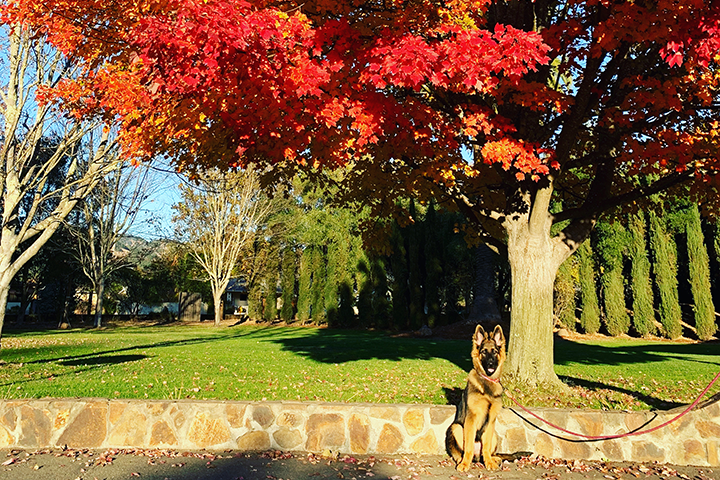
(655, 403)
(343, 346)
(103, 360)
(567, 351)
(340, 346)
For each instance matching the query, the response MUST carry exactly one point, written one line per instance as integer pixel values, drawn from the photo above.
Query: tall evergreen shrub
(287, 283)
(270, 283)
(699, 269)
(610, 246)
(664, 265)
(332, 281)
(642, 294)
(590, 313)
(304, 300)
(565, 301)
(317, 289)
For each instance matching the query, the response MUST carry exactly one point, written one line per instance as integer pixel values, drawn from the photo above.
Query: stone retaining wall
(344, 428)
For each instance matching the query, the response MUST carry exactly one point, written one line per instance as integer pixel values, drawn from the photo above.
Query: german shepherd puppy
(473, 430)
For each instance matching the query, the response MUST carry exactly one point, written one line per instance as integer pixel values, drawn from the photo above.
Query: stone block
(559, 418)
(9, 419)
(713, 453)
(707, 429)
(263, 416)
(161, 435)
(574, 450)
(440, 415)
(693, 449)
(359, 431)
(414, 421)
(156, 408)
(506, 419)
(516, 440)
(590, 423)
(390, 413)
(206, 430)
(61, 418)
(543, 446)
(427, 444)
(255, 441)
(643, 451)
(129, 431)
(289, 419)
(681, 425)
(35, 427)
(88, 429)
(235, 414)
(288, 438)
(390, 439)
(324, 431)
(179, 416)
(6, 439)
(636, 420)
(612, 451)
(712, 410)
(115, 411)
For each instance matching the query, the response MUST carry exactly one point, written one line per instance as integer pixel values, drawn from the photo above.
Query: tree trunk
(534, 258)
(100, 293)
(4, 291)
(218, 305)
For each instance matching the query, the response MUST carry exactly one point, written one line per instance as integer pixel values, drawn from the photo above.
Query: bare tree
(218, 219)
(46, 163)
(106, 216)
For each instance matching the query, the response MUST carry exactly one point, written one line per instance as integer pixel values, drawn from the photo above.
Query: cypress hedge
(642, 294)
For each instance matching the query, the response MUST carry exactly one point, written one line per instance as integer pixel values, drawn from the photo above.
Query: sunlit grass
(280, 363)
(249, 363)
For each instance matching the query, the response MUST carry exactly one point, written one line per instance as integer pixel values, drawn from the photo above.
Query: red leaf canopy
(404, 87)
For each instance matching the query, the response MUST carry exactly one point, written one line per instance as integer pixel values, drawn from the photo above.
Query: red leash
(621, 435)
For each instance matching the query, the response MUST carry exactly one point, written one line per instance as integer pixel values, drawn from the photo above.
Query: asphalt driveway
(132, 464)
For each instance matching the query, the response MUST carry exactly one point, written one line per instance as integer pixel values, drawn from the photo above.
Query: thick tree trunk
(218, 304)
(530, 348)
(100, 293)
(534, 258)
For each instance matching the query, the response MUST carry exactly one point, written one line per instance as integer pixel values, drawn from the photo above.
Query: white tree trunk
(218, 302)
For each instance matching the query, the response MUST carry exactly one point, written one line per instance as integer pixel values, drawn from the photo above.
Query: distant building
(236, 297)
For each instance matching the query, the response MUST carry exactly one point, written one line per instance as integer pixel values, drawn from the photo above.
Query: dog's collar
(494, 380)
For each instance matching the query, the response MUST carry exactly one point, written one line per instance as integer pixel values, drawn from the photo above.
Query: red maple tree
(531, 117)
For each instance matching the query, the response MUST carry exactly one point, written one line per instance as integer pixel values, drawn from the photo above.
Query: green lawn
(278, 363)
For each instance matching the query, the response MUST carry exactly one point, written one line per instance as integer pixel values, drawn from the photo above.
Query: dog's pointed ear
(479, 335)
(498, 336)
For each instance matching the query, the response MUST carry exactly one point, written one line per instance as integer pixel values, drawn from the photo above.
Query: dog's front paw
(493, 463)
(463, 467)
